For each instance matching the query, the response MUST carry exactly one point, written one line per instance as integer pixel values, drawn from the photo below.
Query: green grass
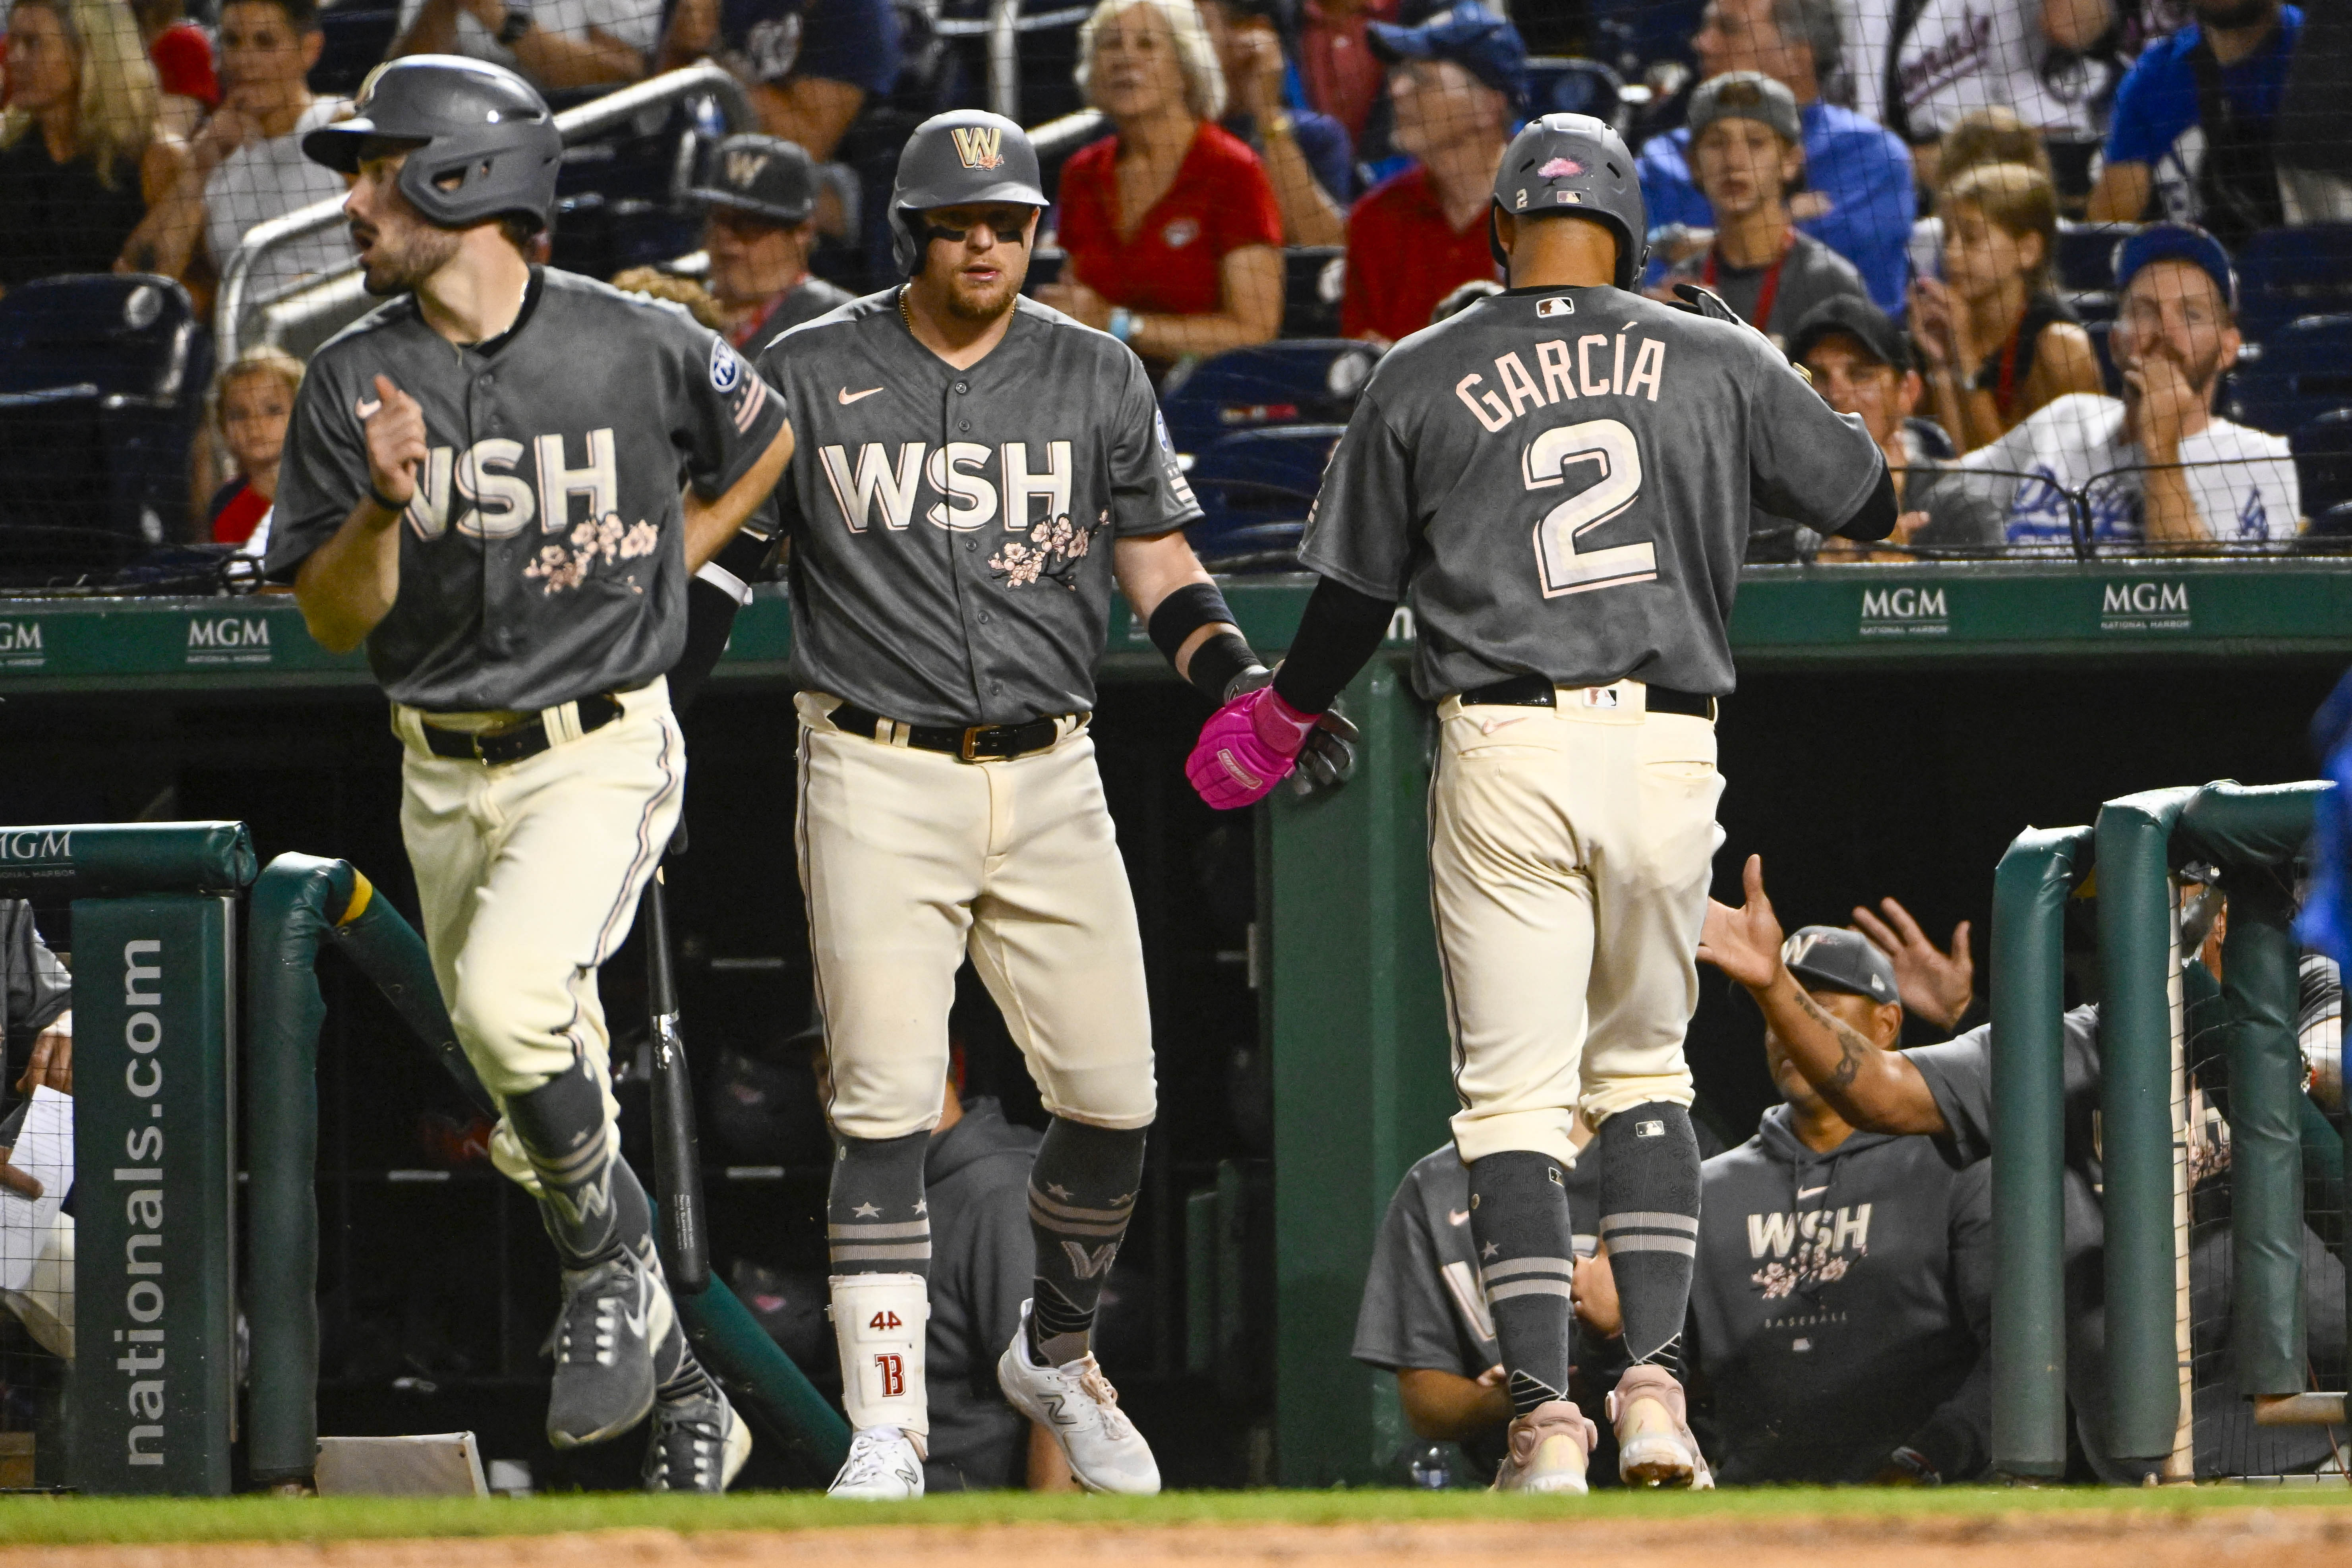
(44, 1521)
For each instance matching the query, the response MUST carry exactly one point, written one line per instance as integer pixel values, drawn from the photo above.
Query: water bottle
(1431, 1470)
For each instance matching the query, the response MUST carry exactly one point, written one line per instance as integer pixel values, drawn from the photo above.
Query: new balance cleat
(1549, 1448)
(883, 1465)
(1077, 1404)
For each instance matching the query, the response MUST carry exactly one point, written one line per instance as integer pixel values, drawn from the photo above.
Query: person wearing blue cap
(2157, 464)
(1457, 84)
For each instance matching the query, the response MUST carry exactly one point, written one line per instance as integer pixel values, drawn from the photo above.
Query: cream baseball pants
(909, 859)
(1569, 855)
(528, 876)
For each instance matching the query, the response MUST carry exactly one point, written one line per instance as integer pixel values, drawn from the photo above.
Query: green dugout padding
(300, 902)
(117, 860)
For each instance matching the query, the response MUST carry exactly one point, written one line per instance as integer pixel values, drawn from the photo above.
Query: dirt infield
(2256, 1537)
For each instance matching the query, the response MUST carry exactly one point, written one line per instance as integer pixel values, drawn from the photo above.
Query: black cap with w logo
(765, 176)
(956, 159)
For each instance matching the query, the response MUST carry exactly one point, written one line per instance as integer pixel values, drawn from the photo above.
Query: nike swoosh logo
(1809, 1191)
(1457, 1216)
(366, 407)
(848, 398)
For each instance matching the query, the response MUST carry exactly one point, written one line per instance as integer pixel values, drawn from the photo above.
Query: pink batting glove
(1247, 747)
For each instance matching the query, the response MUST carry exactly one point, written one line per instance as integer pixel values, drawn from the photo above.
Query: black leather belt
(973, 743)
(527, 739)
(1535, 691)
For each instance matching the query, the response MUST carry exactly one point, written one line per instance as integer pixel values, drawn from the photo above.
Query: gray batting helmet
(1572, 165)
(466, 119)
(955, 159)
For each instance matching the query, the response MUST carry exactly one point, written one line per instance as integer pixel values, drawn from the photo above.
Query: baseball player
(1558, 480)
(975, 471)
(463, 492)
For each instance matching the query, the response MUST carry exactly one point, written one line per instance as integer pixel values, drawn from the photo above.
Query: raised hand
(1935, 984)
(1745, 943)
(395, 443)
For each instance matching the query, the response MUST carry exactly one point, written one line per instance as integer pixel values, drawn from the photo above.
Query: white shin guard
(879, 1322)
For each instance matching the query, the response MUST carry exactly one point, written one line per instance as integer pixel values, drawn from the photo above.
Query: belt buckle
(968, 750)
(474, 741)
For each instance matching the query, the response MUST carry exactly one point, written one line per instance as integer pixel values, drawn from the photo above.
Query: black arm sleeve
(1341, 630)
(1877, 518)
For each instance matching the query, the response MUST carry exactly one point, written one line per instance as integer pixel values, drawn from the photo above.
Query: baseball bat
(677, 1159)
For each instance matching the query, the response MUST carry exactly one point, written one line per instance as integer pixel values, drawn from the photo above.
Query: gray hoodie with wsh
(1842, 1308)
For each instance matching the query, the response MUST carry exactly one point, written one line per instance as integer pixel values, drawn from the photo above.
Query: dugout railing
(2246, 839)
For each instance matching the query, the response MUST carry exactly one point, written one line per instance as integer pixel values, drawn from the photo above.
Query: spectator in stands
(1957, 56)
(1458, 84)
(182, 58)
(1171, 228)
(245, 166)
(1999, 343)
(1843, 1303)
(2314, 156)
(760, 199)
(1307, 156)
(1994, 135)
(2224, 75)
(252, 401)
(1424, 1315)
(85, 170)
(1463, 298)
(554, 43)
(1857, 199)
(1747, 153)
(1861, 364)
(655, 284)
(36, 1003)
(810, 66)
(983, 1258)
(2157, 464)
(1342, 76)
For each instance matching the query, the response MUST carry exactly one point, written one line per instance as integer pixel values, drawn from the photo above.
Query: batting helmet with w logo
(958, 159)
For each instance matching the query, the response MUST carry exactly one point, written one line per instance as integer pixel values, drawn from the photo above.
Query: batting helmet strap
(1572, 165)
(958, 159)
(482, 144)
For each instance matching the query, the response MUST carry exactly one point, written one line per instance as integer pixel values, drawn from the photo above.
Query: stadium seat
(2298, 372)
(1293, 382)
(1314, 281)
(2086, 254)
(2322, 461)
(1561, 84)
(103, 379)
(1256, 488)
(2285, 273)
(358, 36)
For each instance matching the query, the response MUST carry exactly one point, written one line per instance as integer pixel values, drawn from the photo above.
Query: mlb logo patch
(1558, 305)
(1603, 696)
(1569, 197)
(726, 370)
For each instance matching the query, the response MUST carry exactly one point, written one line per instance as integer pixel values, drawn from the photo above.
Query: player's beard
(405, 255)
(970, 302)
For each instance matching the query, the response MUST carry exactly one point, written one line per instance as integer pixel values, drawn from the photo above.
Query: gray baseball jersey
(950, 529)
(1559, 481)
(542, 557)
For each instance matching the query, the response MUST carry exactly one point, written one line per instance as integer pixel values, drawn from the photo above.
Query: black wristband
(1218, 663)
(385, 501)
(1184, 611)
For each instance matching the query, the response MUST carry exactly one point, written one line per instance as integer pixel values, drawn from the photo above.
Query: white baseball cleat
(1549, 1447)
(883, 1465)
(1077, 1404)
(1655, 1446)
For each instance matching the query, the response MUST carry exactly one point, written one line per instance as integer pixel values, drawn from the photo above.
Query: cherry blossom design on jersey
(558, 568)
(1813, 1264)
(1051, 553)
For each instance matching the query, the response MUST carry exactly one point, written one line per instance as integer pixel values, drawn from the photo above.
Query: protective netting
(1926, 200)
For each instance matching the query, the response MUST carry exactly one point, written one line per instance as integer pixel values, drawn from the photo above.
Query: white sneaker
(1549, 1447)
(1655, 1446)
(1077, 1404)
(883, 1465)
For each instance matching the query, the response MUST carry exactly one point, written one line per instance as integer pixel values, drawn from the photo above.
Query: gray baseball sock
(1081, 1194)
(1526, 1257)
(1649, 1223)
(589, 1214)
(875, 1221)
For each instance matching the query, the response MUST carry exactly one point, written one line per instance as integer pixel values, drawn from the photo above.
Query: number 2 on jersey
(1562, 568)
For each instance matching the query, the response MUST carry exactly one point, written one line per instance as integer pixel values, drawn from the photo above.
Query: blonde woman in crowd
(1998, 341)
(84, 165)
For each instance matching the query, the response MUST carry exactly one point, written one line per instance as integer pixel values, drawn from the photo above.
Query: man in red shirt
(1457, 85)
